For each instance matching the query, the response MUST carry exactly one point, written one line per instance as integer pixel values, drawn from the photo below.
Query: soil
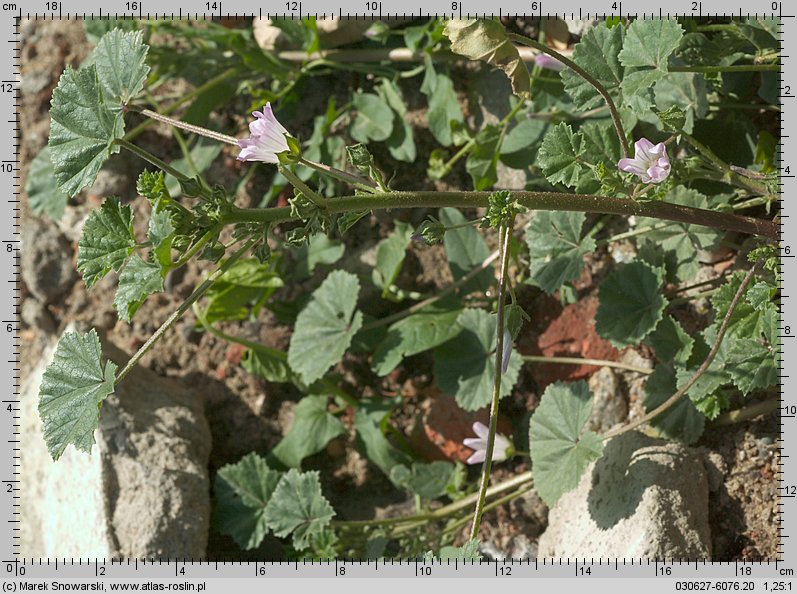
(249, 414)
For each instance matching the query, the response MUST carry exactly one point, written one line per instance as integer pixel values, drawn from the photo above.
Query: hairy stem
(672, 400)
(302, 187)
(531, 200)
(505, 231)
(184, 307)
(580, 361)
(188, 127)
(152, 159)
(213, 82)
(618, 125)
(344, 176)
(748, 412)
(201, 242)
(739, 180)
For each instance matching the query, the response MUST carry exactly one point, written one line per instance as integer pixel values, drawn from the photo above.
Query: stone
(609, 406)
(644, 499)
(47, 267)
(332, 32)
(116, 178)
(144, 490)
(35, 315)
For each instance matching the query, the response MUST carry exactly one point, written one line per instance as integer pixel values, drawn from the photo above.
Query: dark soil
(248, 414)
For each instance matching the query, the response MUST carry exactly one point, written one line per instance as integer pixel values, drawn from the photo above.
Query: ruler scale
(188, 575)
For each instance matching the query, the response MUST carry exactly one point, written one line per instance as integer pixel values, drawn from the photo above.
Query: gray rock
(35, 82)
(645, 498)
(609, 407)
(116, 178)
(144, 490)
(509, 178)
(47, 267)
(579, 26)
(35, 315)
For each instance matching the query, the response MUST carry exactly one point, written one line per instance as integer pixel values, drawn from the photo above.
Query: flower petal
(481, 430)
(631, 166)
(475, 443)
(477, 457)
(266, 139)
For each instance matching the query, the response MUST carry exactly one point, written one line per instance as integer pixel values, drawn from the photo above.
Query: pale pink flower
(479, 445)
(650, 162)
(266, 138)
(549, 62)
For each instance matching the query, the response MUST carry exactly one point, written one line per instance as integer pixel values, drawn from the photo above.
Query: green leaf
(121, 61)
(465, 366)
(312, 429)
(560, 449)
(325, 327)
(556, 249)
(297, 507)
(597, 53)
(96, 28)
(672, 119)
(161, 234)
(682, 421)
(649, 43)
(630, 304)
(486, 40)
(241, 289)
(670, 342)
(137, 281)
(42, 189)
(520, 146)
(400, 143)
(466, 250)
(443, 105)
(106, 242)
(685, 90)
(268, 363)
(425, 480)
(467, 552)
(369, 419)
(151, 185)
(752, 365)
(243, 491)
(374, 119)
(390, 256)
(482, 160)
(682, 241)
(560, 155)
(83, 129)
(707, 385)
(412, 335)
(752, 317)
(72, 391)
(759, 295)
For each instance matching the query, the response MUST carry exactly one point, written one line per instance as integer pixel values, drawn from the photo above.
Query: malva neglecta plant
(612, 129)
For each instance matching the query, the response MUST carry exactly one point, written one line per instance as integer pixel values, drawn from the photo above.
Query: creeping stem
(532, 200)
(618, 126)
